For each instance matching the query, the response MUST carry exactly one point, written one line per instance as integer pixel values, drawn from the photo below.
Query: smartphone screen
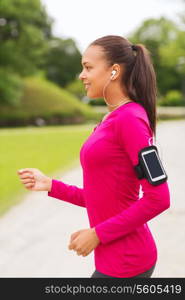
(153, 164)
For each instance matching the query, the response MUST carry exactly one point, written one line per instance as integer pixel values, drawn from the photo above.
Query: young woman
(123, 245)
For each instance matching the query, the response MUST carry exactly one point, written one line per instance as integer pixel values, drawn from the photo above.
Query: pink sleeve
(66, 192)
(133, 133)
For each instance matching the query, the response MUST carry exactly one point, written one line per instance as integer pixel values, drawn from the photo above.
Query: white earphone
(113, 73)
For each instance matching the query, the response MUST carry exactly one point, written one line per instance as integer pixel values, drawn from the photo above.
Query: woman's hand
(84, 241)
(34, 180)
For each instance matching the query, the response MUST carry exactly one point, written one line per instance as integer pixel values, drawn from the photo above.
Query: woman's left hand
(84, 241)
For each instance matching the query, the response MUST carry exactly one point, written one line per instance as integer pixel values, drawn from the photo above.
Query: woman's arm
(34, 180)
(66, 192)
(133, 133)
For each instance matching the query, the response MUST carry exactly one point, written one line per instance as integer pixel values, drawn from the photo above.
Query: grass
(51, 149)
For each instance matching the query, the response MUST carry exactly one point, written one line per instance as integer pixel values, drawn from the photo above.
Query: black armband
(150, 166)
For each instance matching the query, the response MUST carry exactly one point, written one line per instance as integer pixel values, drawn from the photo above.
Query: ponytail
(140, 81)
(138, 76)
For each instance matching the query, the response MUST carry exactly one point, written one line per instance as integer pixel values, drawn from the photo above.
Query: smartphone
(153, 166)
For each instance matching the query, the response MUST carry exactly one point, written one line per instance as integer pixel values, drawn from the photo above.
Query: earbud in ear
(113, 73)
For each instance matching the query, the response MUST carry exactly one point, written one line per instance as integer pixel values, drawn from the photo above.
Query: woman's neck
(124, 101)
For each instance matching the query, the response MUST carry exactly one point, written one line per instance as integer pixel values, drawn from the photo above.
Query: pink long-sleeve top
(110, 193)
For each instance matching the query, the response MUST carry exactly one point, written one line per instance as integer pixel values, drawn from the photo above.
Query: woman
(123, 245)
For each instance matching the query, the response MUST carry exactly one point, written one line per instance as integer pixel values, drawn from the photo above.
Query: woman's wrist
(95, 234)
(48, 184)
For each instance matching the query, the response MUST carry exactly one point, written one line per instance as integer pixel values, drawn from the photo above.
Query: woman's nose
(81, 76)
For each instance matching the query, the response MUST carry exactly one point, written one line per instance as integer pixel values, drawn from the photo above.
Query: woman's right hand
(34, 180)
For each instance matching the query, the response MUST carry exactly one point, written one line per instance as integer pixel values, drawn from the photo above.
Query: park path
(34, 234)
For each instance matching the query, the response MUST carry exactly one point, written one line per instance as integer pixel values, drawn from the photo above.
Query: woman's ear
(116, 71)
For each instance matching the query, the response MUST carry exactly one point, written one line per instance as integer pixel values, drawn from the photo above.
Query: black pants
(146, 274)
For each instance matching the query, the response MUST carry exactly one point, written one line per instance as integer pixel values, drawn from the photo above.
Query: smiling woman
(119, 235)
(93, 76)
(113, 65)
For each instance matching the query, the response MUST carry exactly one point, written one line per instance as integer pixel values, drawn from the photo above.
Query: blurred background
(45, 115)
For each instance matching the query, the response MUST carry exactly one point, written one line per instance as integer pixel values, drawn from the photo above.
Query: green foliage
(174, 54)
(165, 41)
(97, 102)
(45, 100)
(28, 48)
(172, 98)
(42, 96)
(24, 31)
(63, 61)
(10, 88)
(76, 87)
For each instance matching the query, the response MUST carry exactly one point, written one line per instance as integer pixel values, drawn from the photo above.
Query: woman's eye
(87, 68)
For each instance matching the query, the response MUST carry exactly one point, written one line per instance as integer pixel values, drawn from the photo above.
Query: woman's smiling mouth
(87, 86)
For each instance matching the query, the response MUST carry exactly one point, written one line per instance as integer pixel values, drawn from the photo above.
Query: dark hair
(139, 76)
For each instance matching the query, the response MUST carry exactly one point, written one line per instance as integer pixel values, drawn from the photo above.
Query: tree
(62, 61)
(24, 31)
(11, 88)
(160, 36)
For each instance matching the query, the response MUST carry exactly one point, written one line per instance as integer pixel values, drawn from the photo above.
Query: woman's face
(95, 72)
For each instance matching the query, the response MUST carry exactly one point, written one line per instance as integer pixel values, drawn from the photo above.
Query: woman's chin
(91, 95)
